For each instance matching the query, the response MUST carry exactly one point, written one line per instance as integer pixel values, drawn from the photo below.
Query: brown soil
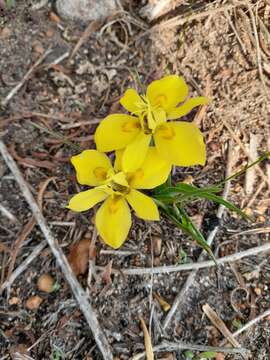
(218, 55)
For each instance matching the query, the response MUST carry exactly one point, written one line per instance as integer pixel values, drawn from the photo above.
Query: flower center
(118, 183)
(151, 115)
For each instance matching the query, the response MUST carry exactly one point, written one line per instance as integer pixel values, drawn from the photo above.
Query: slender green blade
(182, 220)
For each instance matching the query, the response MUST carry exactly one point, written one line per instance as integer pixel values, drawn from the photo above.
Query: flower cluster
(146, 143)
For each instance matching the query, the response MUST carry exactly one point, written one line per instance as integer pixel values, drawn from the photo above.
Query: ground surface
(217, 53)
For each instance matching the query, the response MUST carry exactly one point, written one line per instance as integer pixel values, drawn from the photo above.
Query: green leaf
(182, 257)
(237, 324)
(177, 214)
(183, 192)
(219, 199)
(189, 355)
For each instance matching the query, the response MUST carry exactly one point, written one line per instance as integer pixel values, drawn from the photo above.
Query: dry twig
(239, 142)
(194, 266)
(92, 27)
(180, 20)
(258, 50)
(25, 78)
(8, 214)
(248, 325)
(75, 286)
(219, 324)
(23, 266)
(167, 346)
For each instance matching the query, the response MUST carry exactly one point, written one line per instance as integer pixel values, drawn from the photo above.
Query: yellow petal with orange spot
(180, 143)
(167, 92)
(116, 131)
(113, 221)
(153, 172)
(91, 167)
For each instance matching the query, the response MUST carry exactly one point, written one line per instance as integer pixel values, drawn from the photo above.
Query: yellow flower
(117, 189)
(178, 142)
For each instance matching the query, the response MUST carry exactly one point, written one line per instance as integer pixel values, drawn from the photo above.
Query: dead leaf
(147, 341)
(79, 256)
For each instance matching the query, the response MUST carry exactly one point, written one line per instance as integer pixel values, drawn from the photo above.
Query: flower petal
(184, 109)
(167, 92)
(153, 172)
(91, 167)
(135, 152)
(131, 101)
(85, 200)
(116, 131)
(143, 205)
(180, 143)
(113, 221)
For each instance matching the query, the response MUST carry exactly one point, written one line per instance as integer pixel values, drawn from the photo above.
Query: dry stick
(193, 266)
(25, 78)
(238, 141)
(167, 346)
(92, 27)
(9, 215)
(235, 32)
(220, 325)
(179, 20)
(248, 325)
(29, 226)
(75, 286)
(23, 266)
(258, 50)
(190, 280)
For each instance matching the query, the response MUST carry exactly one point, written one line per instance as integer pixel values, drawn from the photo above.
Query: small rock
(261, 219)
(33, 302)
(85, 10)
(50, 33)
(46, 283)
(38, 48)
(14, 301)
(5, 33)
(258, 291)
